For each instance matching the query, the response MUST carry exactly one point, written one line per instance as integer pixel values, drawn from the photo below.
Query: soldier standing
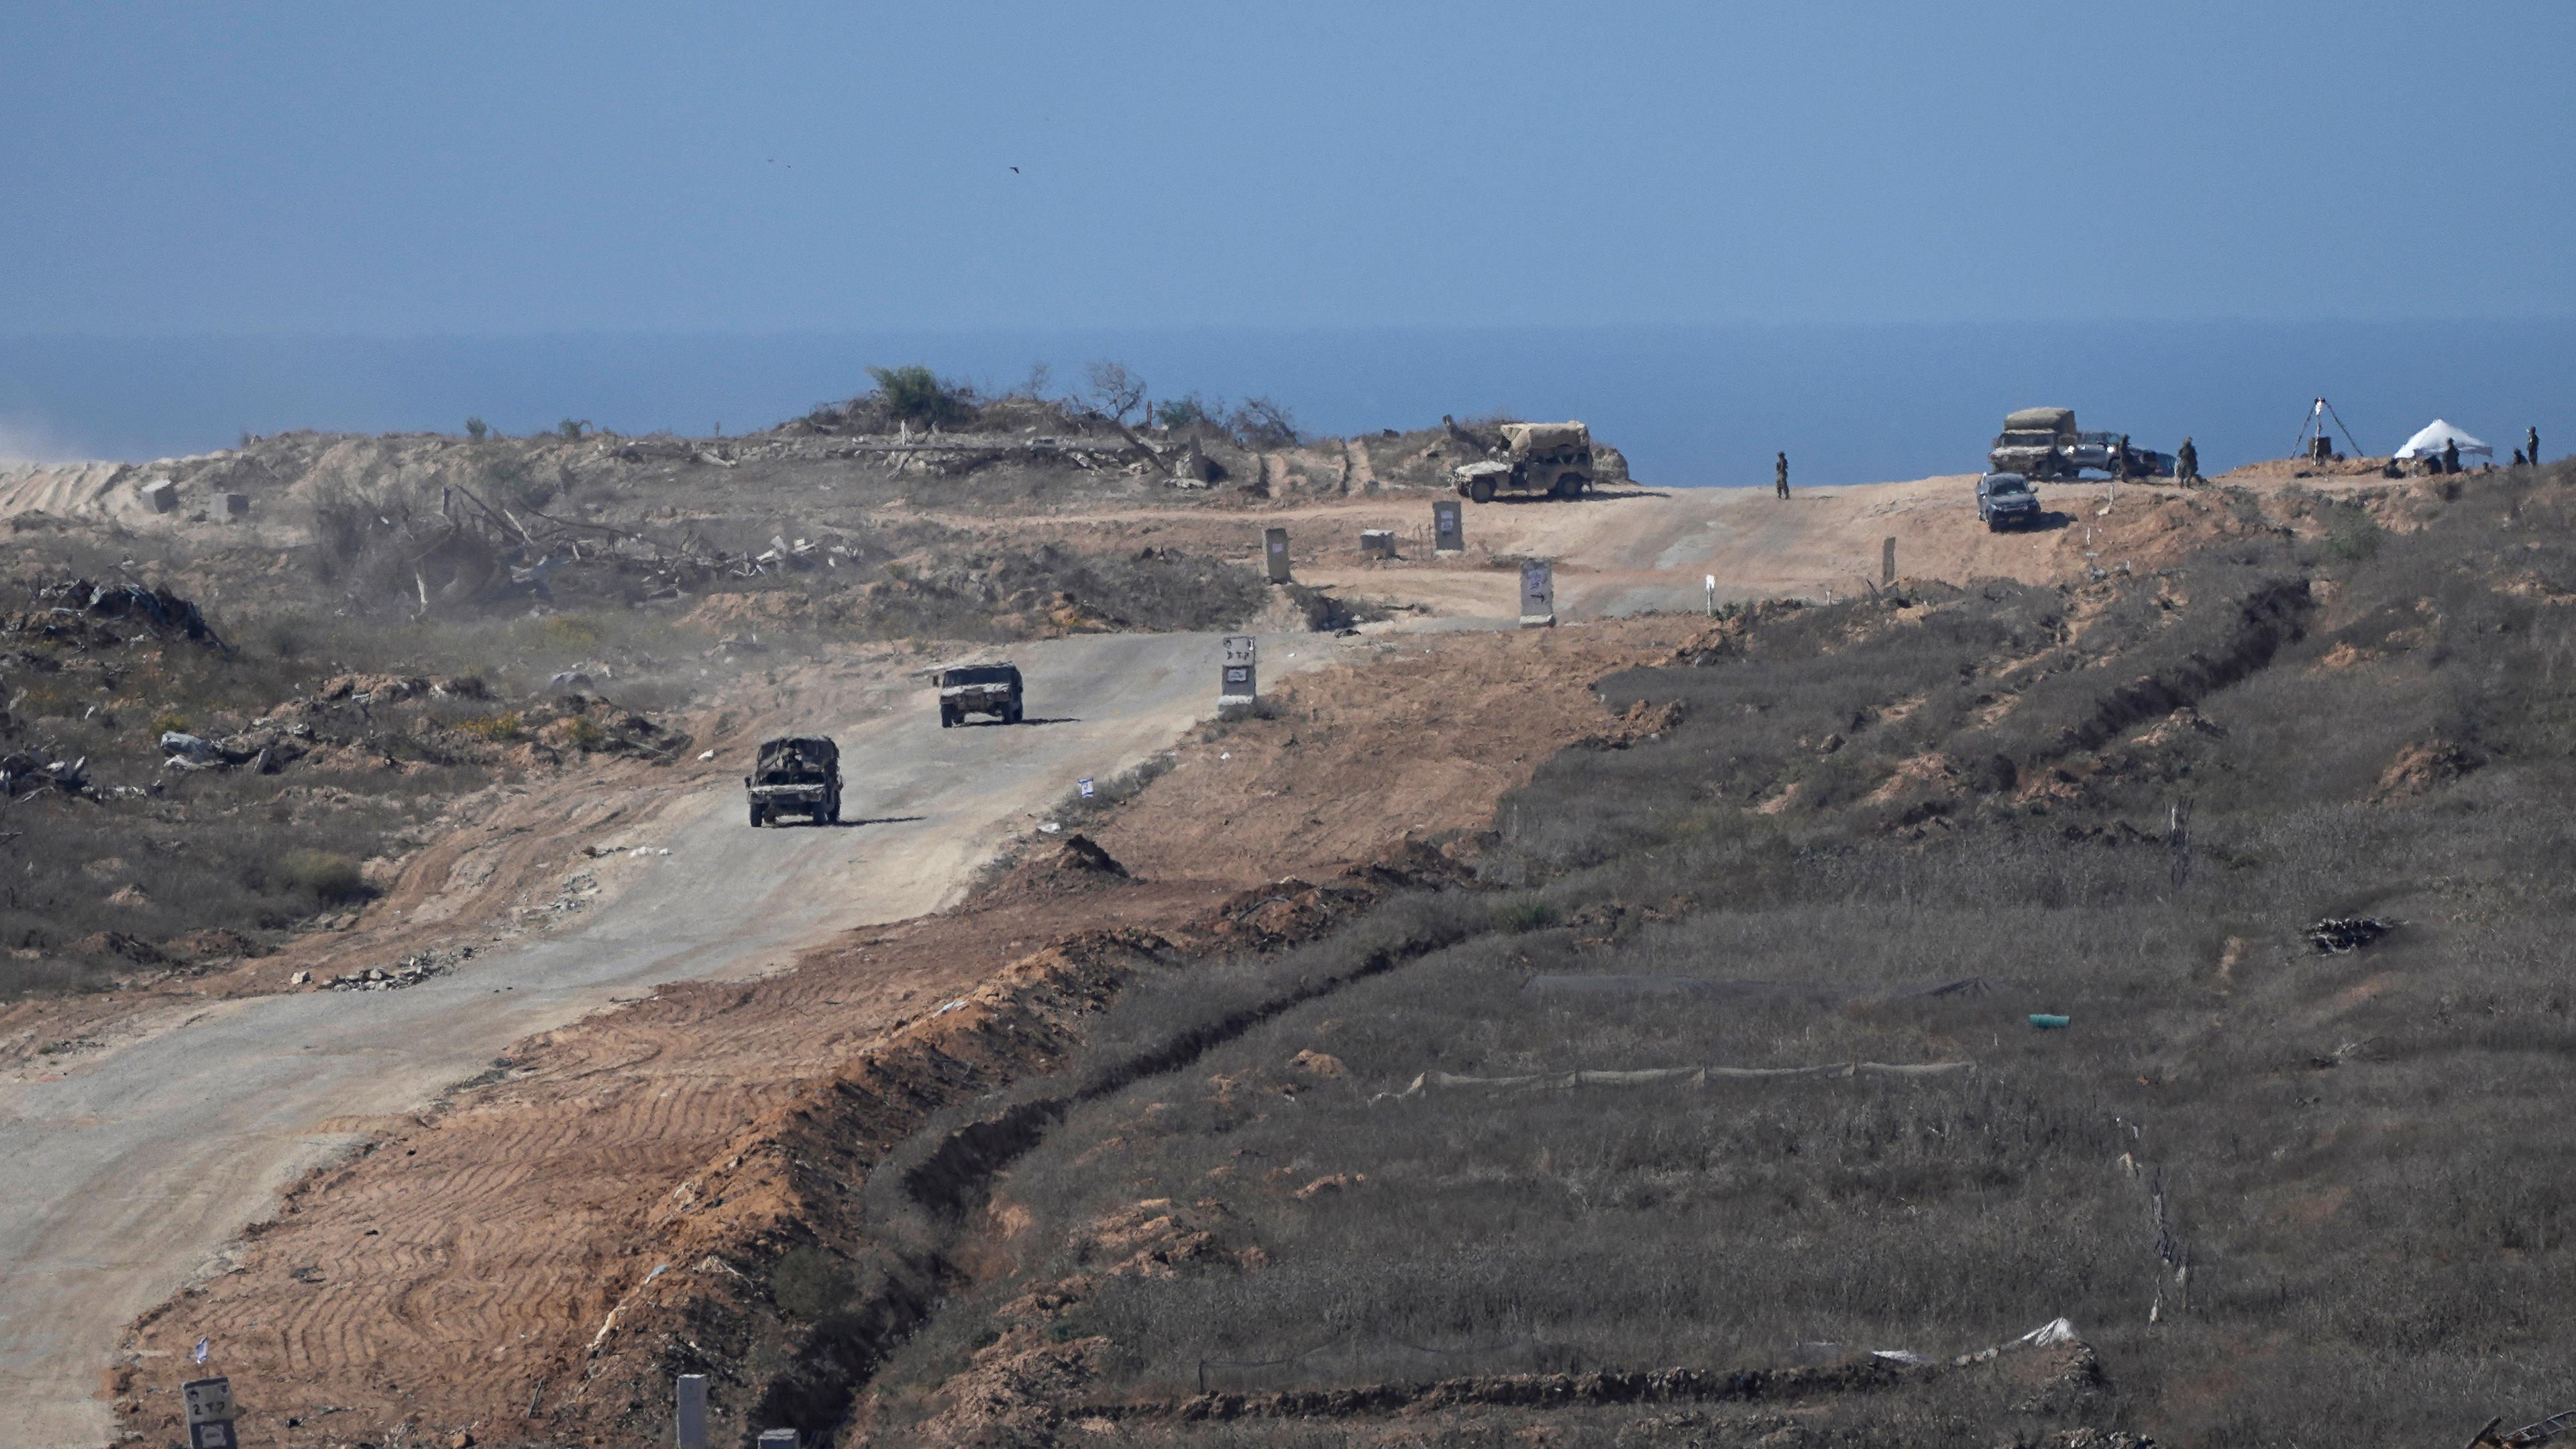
(1780, 475)
(2531, 445)
(2186, 464)
(2450, 455)
(2120, 459)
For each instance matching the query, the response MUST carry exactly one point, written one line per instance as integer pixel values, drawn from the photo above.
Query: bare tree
(1263, 423)
(1115, 390)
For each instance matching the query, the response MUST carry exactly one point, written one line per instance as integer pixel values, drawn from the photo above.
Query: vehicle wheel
(832, 811)
(947, 718)
(1018, 712)
(755, 817)
(1482, 490)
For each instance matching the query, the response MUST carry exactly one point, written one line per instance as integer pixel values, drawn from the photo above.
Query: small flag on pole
(202, 1345)
(1084, 785)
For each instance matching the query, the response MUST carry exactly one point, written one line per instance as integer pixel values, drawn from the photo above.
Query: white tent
(2436, 433)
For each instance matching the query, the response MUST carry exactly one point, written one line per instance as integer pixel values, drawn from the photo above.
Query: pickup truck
(992, 689)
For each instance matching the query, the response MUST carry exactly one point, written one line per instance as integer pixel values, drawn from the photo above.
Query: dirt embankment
(522, 1261)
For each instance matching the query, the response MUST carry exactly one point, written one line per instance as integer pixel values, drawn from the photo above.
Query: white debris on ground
(412, 971)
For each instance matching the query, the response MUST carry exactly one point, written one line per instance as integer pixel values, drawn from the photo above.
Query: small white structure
(2436, 434)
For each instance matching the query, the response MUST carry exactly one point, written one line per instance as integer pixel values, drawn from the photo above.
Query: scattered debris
(413, 970)
(1653, 1076)
(2337, 934)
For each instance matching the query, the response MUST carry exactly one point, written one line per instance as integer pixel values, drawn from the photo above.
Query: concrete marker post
(1275, 546)
(1448, 527)
(1538, 595)
(1236, 681)
(210, 1413)
(1377, 543)
(1887, 562)
(689, 1411)
(1712, 596)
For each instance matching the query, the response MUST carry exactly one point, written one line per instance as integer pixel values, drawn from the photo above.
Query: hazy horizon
(1691, 405)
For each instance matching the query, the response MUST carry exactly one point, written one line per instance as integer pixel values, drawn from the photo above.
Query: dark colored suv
(2004, 498)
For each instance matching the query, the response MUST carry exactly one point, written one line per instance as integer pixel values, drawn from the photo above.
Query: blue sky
(469, 169)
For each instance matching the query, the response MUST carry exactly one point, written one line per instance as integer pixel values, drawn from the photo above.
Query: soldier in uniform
(2450, 455)
(2531, 445)
(2186, 464)
(1780, 475)
(2120, 459)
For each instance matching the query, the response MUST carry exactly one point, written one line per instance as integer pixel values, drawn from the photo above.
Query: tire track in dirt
(190, 1131)
(510, 1226)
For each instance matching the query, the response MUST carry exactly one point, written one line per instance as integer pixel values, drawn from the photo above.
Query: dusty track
(1629, 551)
(136, 1165)
(464, 1268)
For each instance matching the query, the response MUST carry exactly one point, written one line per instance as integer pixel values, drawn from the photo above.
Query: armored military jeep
(800, 775)
(992, 689)
(1550, 458)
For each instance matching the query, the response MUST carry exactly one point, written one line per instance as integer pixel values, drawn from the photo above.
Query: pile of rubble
(410, 971)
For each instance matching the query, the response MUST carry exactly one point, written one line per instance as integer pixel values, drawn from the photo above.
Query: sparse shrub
(572, 428)
(168, 721)
(1187, 410)
(584, 734)
(567, 631)
(477, 429)
(808, 1283)
(329, 878)
(499, 728)
(2354, 535)
(1523, 916)
(915, 394)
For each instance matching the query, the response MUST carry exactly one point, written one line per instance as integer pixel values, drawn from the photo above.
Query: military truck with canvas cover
(2042, 443)
(1550, 458)
(800, 775)
(992, 689)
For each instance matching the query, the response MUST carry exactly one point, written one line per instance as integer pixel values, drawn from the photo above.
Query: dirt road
(133, 1169)
(1628, 551)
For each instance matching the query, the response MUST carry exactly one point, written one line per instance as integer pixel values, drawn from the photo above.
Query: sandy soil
(461, 1268)
(132, 1164)
(507, 1216)
(1629, 551)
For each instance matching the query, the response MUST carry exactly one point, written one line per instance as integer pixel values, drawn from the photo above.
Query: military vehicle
(2004, 498)
(1550, 458)
(799, 775)
(2042, 443)
(992, 689)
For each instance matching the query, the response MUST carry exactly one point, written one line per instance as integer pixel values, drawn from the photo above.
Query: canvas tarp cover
(2429, 442)
(812, 754)
(1545, 437)
(2041, 420)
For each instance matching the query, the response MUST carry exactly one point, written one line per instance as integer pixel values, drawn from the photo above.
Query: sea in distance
(1691, 405)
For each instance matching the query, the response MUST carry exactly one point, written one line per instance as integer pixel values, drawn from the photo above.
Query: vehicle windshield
(2007, 483)
(981, 674)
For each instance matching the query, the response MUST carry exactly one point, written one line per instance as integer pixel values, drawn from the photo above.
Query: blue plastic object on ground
(2046, 1022)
